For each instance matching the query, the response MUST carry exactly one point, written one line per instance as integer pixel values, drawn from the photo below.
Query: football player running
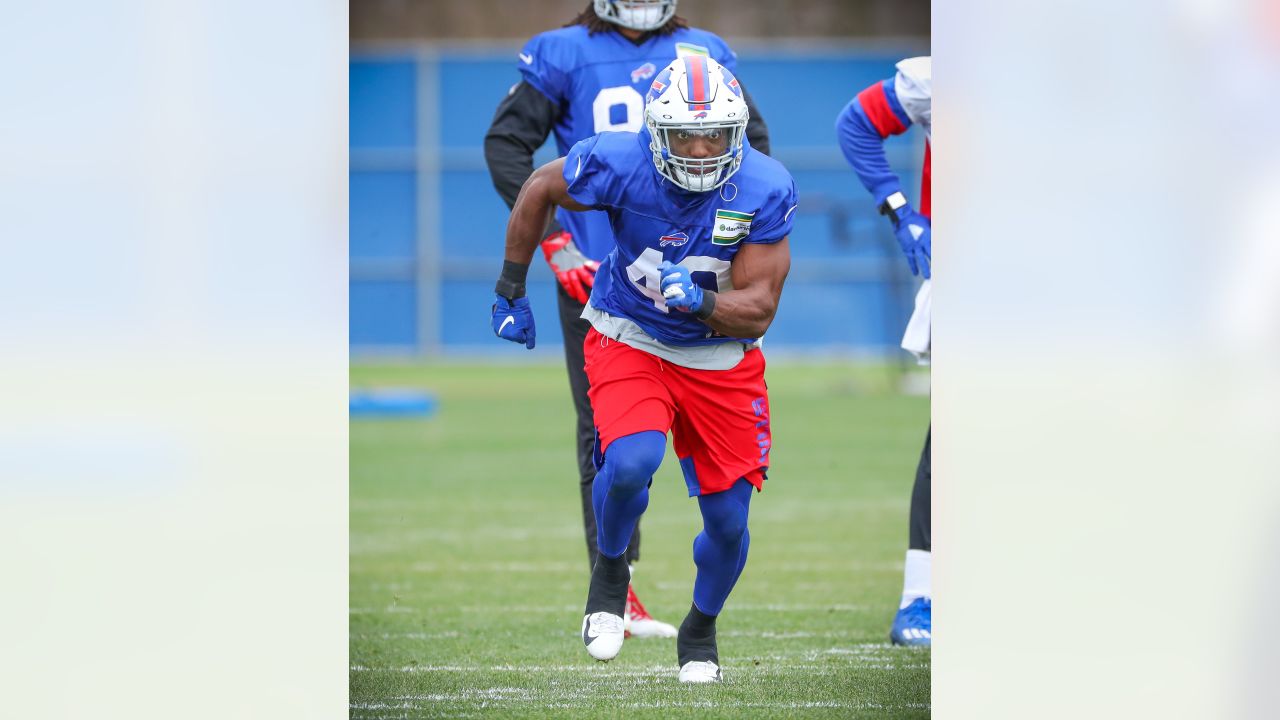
(889, 108)
(676, 312)
(588, 77)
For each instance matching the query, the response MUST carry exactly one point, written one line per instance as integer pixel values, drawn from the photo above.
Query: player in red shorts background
(677, 309)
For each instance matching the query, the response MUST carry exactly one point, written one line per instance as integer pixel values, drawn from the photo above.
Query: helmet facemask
(643, 15)
(677, 144)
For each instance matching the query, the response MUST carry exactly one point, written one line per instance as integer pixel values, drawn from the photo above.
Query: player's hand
(575, 272)
(913, 233)
(513, 320)
(678, 287)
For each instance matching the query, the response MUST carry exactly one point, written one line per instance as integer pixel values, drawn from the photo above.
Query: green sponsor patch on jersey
(686, 49)
(730, 227)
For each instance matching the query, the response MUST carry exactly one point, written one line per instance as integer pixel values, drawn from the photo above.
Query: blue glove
(914, 236)
(513, 320)
(678, 287)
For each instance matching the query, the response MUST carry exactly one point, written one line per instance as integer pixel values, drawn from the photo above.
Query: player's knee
(725, 520)
(633, 459)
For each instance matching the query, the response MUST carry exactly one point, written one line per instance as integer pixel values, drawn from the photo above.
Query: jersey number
(611, 97)
(644, 274)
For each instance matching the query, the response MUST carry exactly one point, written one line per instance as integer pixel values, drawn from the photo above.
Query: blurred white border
(173, 447)
(1105, 385)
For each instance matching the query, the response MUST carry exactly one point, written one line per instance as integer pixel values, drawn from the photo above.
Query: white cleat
(638, 623)
(650, 628)
(602, 632)
(698, 671)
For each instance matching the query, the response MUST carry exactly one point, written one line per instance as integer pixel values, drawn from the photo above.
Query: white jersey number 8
(645, 269)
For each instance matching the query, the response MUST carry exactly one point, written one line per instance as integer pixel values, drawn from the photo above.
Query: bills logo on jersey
(674, 240)
(644, 72)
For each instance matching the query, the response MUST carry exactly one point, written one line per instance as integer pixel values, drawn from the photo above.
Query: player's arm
(512, 318)
(545, 190)
(862, 127)
(520, 125)
(746, 311)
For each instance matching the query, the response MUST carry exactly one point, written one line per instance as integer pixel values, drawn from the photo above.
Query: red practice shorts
(719, 419)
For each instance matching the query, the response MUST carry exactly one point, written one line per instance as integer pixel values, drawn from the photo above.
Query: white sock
(915, 578)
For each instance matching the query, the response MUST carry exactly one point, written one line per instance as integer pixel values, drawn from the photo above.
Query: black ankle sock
(697, 638)
(609, 581)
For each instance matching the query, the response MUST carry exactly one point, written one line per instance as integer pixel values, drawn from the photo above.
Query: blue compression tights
(620, 495)
(720, 550)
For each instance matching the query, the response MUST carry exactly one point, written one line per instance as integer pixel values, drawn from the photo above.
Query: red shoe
(639, 623)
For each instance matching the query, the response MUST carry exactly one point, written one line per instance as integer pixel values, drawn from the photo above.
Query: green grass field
(469, 571)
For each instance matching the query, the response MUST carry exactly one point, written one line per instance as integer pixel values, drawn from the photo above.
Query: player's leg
(621, 491)
(913, 625)
(722, 437)
(720, 553)
(637, 620)
(633, 412)
(620, 496)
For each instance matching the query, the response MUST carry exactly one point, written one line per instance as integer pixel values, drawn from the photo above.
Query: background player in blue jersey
(888, 108)
(701, 223)
(585, 78)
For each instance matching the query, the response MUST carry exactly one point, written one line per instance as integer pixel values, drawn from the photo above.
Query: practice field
(469, 571)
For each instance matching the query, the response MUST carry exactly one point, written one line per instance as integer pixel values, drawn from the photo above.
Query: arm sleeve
(520, 126)
(866, 121)
(773, 222)
(757, 131)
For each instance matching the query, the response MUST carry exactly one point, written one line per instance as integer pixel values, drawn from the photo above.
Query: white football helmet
(695, 97)
(636, 14)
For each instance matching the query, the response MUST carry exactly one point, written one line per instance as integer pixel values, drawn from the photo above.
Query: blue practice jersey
(599, 82)
(654, 220)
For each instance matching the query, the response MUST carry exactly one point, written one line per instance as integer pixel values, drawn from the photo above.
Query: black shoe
(602, 625)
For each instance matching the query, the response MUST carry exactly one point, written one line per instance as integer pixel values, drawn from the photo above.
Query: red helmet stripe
(696, 68)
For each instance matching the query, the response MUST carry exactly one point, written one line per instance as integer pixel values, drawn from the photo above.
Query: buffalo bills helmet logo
(700, 115)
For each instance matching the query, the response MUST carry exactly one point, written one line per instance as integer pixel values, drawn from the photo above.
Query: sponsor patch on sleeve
(731, 227)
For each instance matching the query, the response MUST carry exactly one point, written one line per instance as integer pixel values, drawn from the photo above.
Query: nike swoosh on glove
(575, 272)
(678, 287)
(513, 320)
(915, 238)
